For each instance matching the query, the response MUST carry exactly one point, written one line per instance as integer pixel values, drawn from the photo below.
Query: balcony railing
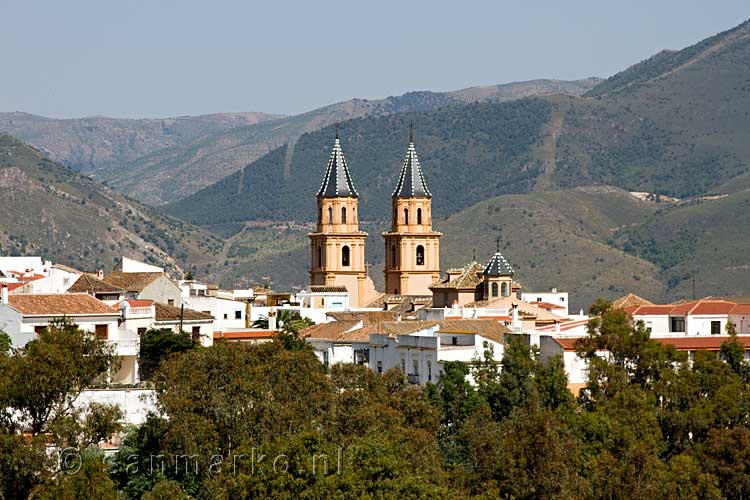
(125, 347)
(413, 378)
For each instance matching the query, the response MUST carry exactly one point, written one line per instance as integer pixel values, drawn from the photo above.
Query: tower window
(330, 215)
(320, 256)
(494, 289)
(504, 289)
(420, 255)
(393, 255)
(345, 257)
(419, 216)
(343, 215)
(406, 216)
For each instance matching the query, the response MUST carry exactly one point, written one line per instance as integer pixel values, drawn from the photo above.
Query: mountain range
(162, 160)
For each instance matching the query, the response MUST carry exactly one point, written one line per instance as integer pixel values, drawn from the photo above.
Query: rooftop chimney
(515, 324)
(100, 274)
(4, 294)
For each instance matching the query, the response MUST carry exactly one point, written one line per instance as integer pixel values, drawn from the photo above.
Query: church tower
(337, 247)
(412, 248)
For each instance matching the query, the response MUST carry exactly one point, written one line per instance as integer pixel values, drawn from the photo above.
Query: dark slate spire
(338, 181)
(411, 183)
(498, 266)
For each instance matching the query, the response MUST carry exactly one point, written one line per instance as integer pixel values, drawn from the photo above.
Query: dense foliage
(157, 344)
(268, 420)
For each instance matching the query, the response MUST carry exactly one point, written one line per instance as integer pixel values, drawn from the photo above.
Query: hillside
(552, 238)
(705, 240)
(172, 173)
(67, 217)
(99, 142)
(469, 153)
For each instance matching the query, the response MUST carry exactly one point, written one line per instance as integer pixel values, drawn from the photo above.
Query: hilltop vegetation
(99, 142)
(67, 217)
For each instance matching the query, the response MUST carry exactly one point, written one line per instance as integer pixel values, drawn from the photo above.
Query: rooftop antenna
(498, 244)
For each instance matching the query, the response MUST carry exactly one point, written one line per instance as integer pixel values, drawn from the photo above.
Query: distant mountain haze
(163, 160)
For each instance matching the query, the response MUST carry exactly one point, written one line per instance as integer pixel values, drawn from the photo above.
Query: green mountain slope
(173, 173)
(98, 142)
(69, 218)
(469, 153)
(680, 131)
(552, 238)
(703, 242)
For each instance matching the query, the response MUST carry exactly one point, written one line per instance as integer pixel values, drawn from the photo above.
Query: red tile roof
(692, 307)
(61, 304)
(710, 343)
(741, 309)
(245, 335)
(546, 305)
(692, 343)
(137, 302)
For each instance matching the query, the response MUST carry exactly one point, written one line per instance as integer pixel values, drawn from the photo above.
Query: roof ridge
(337, 181)
(411, 182)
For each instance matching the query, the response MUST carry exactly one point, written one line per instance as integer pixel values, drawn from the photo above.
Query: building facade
(412, 248)
(337, 247)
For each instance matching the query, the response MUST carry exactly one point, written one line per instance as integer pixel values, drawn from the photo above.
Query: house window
(141, 331)
(677, 325)
(420, 255)
(330, 215)
(403, 366)
(454, 340)
(393, 255)
(343, 215)
(429, 371)
(101, 331)
(325, 358)
(406, 216)
(196, 333)
(419, 216)
(39, 329)
(170, 302)
(237, 314)
(380, 367)
(320, 256)
(716, 328)
(504, 289)
(494, 289)
(345, 256)
(538, 299)
(415, 367)
(226, 316)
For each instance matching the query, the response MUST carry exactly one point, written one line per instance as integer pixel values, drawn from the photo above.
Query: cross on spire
(411, 182)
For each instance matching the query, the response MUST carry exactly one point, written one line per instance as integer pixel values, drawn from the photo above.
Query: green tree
(157, 345)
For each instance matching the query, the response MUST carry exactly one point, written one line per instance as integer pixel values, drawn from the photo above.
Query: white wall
(701, 324)
(135, 403)
(162, 290)
(659, 324)
(741, 323)
(557, 298)
(133, 266)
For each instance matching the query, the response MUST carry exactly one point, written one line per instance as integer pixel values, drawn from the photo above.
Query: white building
(230, 309)
(421, 355)
(150, 285)
(552, 301)
(23, 316)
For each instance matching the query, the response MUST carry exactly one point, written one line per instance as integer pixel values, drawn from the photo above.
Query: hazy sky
(163, 58)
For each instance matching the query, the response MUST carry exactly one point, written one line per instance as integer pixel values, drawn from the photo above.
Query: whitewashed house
(23, 316)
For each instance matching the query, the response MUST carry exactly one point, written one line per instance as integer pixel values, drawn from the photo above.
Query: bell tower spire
(412, 248)
(337, 247)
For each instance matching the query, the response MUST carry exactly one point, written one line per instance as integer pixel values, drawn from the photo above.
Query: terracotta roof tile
(165, 312)
(61, 304)
(131, 282)
(91, 285)
(470, 277)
